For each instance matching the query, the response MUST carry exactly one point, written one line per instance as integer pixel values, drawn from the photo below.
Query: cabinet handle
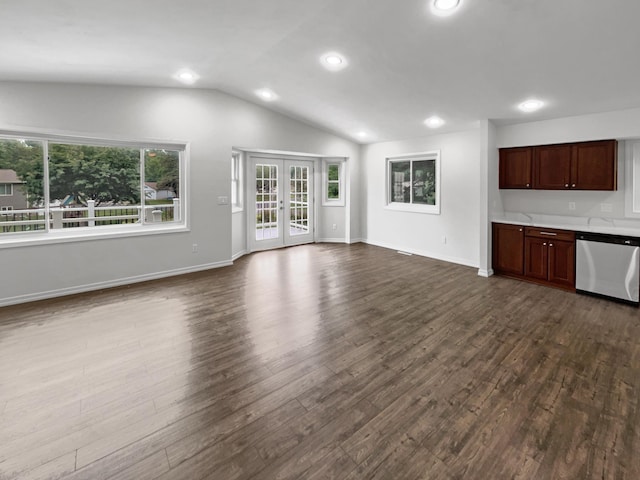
(528, 185)
(520, 230)
(544, 244)
(548, 233)
(551, 244)
(573, 185)
(566, 185)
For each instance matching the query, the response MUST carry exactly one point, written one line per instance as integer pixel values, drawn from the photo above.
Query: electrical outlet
(334, 226)
(223, 200)
(194, 248)
(572, 205)
(606, 207)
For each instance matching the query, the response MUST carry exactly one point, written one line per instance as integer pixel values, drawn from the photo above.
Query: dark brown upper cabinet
(594, 165)
(569, 166)
(552, 167)
(515, 167)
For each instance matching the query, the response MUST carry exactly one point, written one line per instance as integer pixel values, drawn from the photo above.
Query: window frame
(632, 178)
(237, 175)
(5, 185)
(333, 202)
(413, 207)
(50, 235)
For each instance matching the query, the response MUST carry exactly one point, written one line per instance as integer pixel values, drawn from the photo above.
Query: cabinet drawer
(550, 233)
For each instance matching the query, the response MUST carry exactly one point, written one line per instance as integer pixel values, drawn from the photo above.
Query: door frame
(249, 189)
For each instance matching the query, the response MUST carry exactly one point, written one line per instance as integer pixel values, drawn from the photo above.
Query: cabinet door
(594, 166)
(536, 258)
(552, 167)
(515, 167)
(562, 270)
(508, 248)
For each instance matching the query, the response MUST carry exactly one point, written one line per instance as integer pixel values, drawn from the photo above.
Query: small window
(6, 189)
(414, 183)
(236, 180)
(333, 184)
(6, 208)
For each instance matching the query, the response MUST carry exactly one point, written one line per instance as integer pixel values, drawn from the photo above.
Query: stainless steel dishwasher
(608, 266)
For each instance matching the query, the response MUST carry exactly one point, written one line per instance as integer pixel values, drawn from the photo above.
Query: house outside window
(6, 189)
(413, 182)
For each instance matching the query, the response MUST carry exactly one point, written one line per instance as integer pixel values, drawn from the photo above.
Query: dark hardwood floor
(321, 361)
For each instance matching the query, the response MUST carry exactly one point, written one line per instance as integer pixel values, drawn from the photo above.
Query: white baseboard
(32, 297)
(356, 240)
(330, 240)
(238, 255)
(423, 253)
(485, 273)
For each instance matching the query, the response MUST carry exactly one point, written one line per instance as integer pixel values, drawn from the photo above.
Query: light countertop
(625, 227)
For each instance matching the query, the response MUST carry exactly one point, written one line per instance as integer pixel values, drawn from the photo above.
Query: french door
(280, 202)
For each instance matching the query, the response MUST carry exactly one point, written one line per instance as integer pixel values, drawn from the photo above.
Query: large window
(414, 182)
(85, 186)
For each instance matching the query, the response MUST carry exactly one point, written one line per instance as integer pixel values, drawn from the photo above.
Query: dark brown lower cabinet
(562, 263)
(536, 258)
(545, 256)
(508, 254)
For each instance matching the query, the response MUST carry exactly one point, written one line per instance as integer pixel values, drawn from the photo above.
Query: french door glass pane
(266, 202)
(298, 200)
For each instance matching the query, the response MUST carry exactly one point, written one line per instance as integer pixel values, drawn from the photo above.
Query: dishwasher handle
(604, 238)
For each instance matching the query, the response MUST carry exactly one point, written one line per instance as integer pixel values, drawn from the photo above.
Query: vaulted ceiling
(404, 63)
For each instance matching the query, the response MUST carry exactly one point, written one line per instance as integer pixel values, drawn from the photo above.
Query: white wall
(211, 121)
(460, 192)
(618, 125)
(490, 200)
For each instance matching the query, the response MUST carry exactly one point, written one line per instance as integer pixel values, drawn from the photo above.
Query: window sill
(236, 209)
(333, 203)
(408, 207)
(82, 234)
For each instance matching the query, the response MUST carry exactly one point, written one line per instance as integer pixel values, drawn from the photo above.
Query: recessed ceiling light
(186, 76)
(362, 134)
(444, 7)
(531, 105)
(434, 122)
(266, 94)
(333, 61)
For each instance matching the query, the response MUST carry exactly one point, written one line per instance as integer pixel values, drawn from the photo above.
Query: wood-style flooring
(317, 362)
